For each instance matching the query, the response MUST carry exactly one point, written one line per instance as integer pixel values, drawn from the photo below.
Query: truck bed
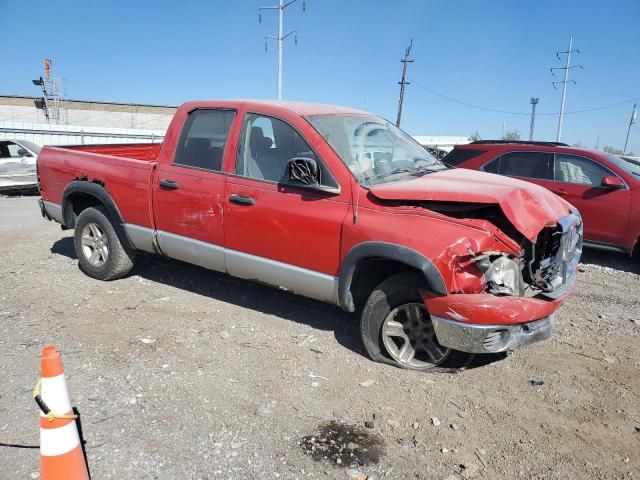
(138, 151)
(125, 171)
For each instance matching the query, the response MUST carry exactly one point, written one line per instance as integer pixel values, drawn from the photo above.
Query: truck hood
(527, 206)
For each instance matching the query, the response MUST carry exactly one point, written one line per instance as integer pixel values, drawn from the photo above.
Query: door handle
(559, 191)
(169, 184)
(242, 199)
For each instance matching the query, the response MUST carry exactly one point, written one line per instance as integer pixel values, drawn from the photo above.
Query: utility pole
(403, 82)
(280, 37)
(566, 80)
(534, 103)
(632, 120)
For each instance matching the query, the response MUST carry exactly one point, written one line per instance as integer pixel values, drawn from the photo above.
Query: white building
(442, 143)
(83, 121)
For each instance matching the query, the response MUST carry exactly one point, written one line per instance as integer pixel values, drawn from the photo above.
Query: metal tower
(52, 90)
(564, 82)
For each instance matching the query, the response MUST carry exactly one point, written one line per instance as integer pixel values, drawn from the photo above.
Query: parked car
(605, 188)
(18, 165)
(335, 204)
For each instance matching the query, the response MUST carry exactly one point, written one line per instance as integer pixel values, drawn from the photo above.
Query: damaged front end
(502, 298)
(545, 266)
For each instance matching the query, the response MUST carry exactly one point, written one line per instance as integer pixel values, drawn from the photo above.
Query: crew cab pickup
(331, 203)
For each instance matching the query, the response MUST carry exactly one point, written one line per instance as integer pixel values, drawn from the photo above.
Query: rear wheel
(100, 253)
(396, 327)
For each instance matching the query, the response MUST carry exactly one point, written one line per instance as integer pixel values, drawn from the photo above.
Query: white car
(18, 165)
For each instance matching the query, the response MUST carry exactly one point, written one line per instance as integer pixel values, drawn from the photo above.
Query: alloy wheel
(409, 338)
(95, 244)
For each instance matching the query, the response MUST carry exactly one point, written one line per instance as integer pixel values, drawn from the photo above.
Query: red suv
(605, 188)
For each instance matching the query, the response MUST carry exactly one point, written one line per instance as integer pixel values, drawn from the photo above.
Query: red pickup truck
(331, 203)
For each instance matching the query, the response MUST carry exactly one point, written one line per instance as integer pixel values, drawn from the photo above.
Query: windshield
(374, 150)
(629, 165)
(31, 146)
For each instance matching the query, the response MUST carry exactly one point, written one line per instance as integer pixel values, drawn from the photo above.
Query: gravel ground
(179, 372)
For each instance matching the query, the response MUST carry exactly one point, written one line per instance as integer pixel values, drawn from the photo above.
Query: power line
(507, 112)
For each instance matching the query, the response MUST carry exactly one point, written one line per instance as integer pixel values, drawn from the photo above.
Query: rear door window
(203, 138)
(460, 155)
(536, 165)
(580, 170)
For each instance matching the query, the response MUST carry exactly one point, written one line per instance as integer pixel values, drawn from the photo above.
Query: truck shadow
(613, 260)
(264, 299)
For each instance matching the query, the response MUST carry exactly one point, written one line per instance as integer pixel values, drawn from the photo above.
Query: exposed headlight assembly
(502, 274)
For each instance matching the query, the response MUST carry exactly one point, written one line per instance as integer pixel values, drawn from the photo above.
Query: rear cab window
(203, 139)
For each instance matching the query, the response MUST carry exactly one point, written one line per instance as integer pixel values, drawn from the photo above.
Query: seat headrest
(198, 144)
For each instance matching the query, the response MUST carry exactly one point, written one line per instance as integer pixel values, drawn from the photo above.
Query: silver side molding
(53, 210)
(302, 281)
(193, 251)
(141, 237)
(298, 280)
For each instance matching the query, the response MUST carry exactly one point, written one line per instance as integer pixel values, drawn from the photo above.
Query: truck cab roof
(277, 106)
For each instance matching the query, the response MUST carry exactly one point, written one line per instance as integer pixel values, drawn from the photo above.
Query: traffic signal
(39, 82)
(40, 103)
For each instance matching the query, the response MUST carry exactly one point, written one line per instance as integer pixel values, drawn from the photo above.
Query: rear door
(605, 211)
(189, 193)
(275, 231)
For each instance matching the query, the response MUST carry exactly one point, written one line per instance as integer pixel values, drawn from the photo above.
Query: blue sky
(491, 53)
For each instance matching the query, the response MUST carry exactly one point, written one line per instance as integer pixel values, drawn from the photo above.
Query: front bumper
(469, 338)
(487, 323)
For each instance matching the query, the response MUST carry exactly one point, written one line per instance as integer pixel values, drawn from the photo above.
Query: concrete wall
(83, 122)
(46, 134)
(89, 113)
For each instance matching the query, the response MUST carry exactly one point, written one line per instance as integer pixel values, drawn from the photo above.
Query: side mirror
(304, 171)
(23, 153)
(612, 182)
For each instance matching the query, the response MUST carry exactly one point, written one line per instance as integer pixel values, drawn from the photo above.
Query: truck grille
(556, 254)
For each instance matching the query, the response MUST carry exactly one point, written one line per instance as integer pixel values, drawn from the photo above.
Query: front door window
(266, 146)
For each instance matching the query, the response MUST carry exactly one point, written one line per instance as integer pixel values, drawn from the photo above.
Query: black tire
(394, 292)
(119, 260)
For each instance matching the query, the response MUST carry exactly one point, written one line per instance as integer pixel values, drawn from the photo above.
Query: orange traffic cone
(61, 456)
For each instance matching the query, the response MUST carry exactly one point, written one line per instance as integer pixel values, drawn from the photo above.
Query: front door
(189, 193)
(605, 211)
(275, 232)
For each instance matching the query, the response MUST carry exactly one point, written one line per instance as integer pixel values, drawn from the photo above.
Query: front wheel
(100, 253)
(396, 327)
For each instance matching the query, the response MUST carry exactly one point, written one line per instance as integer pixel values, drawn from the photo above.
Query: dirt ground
(179, 372)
